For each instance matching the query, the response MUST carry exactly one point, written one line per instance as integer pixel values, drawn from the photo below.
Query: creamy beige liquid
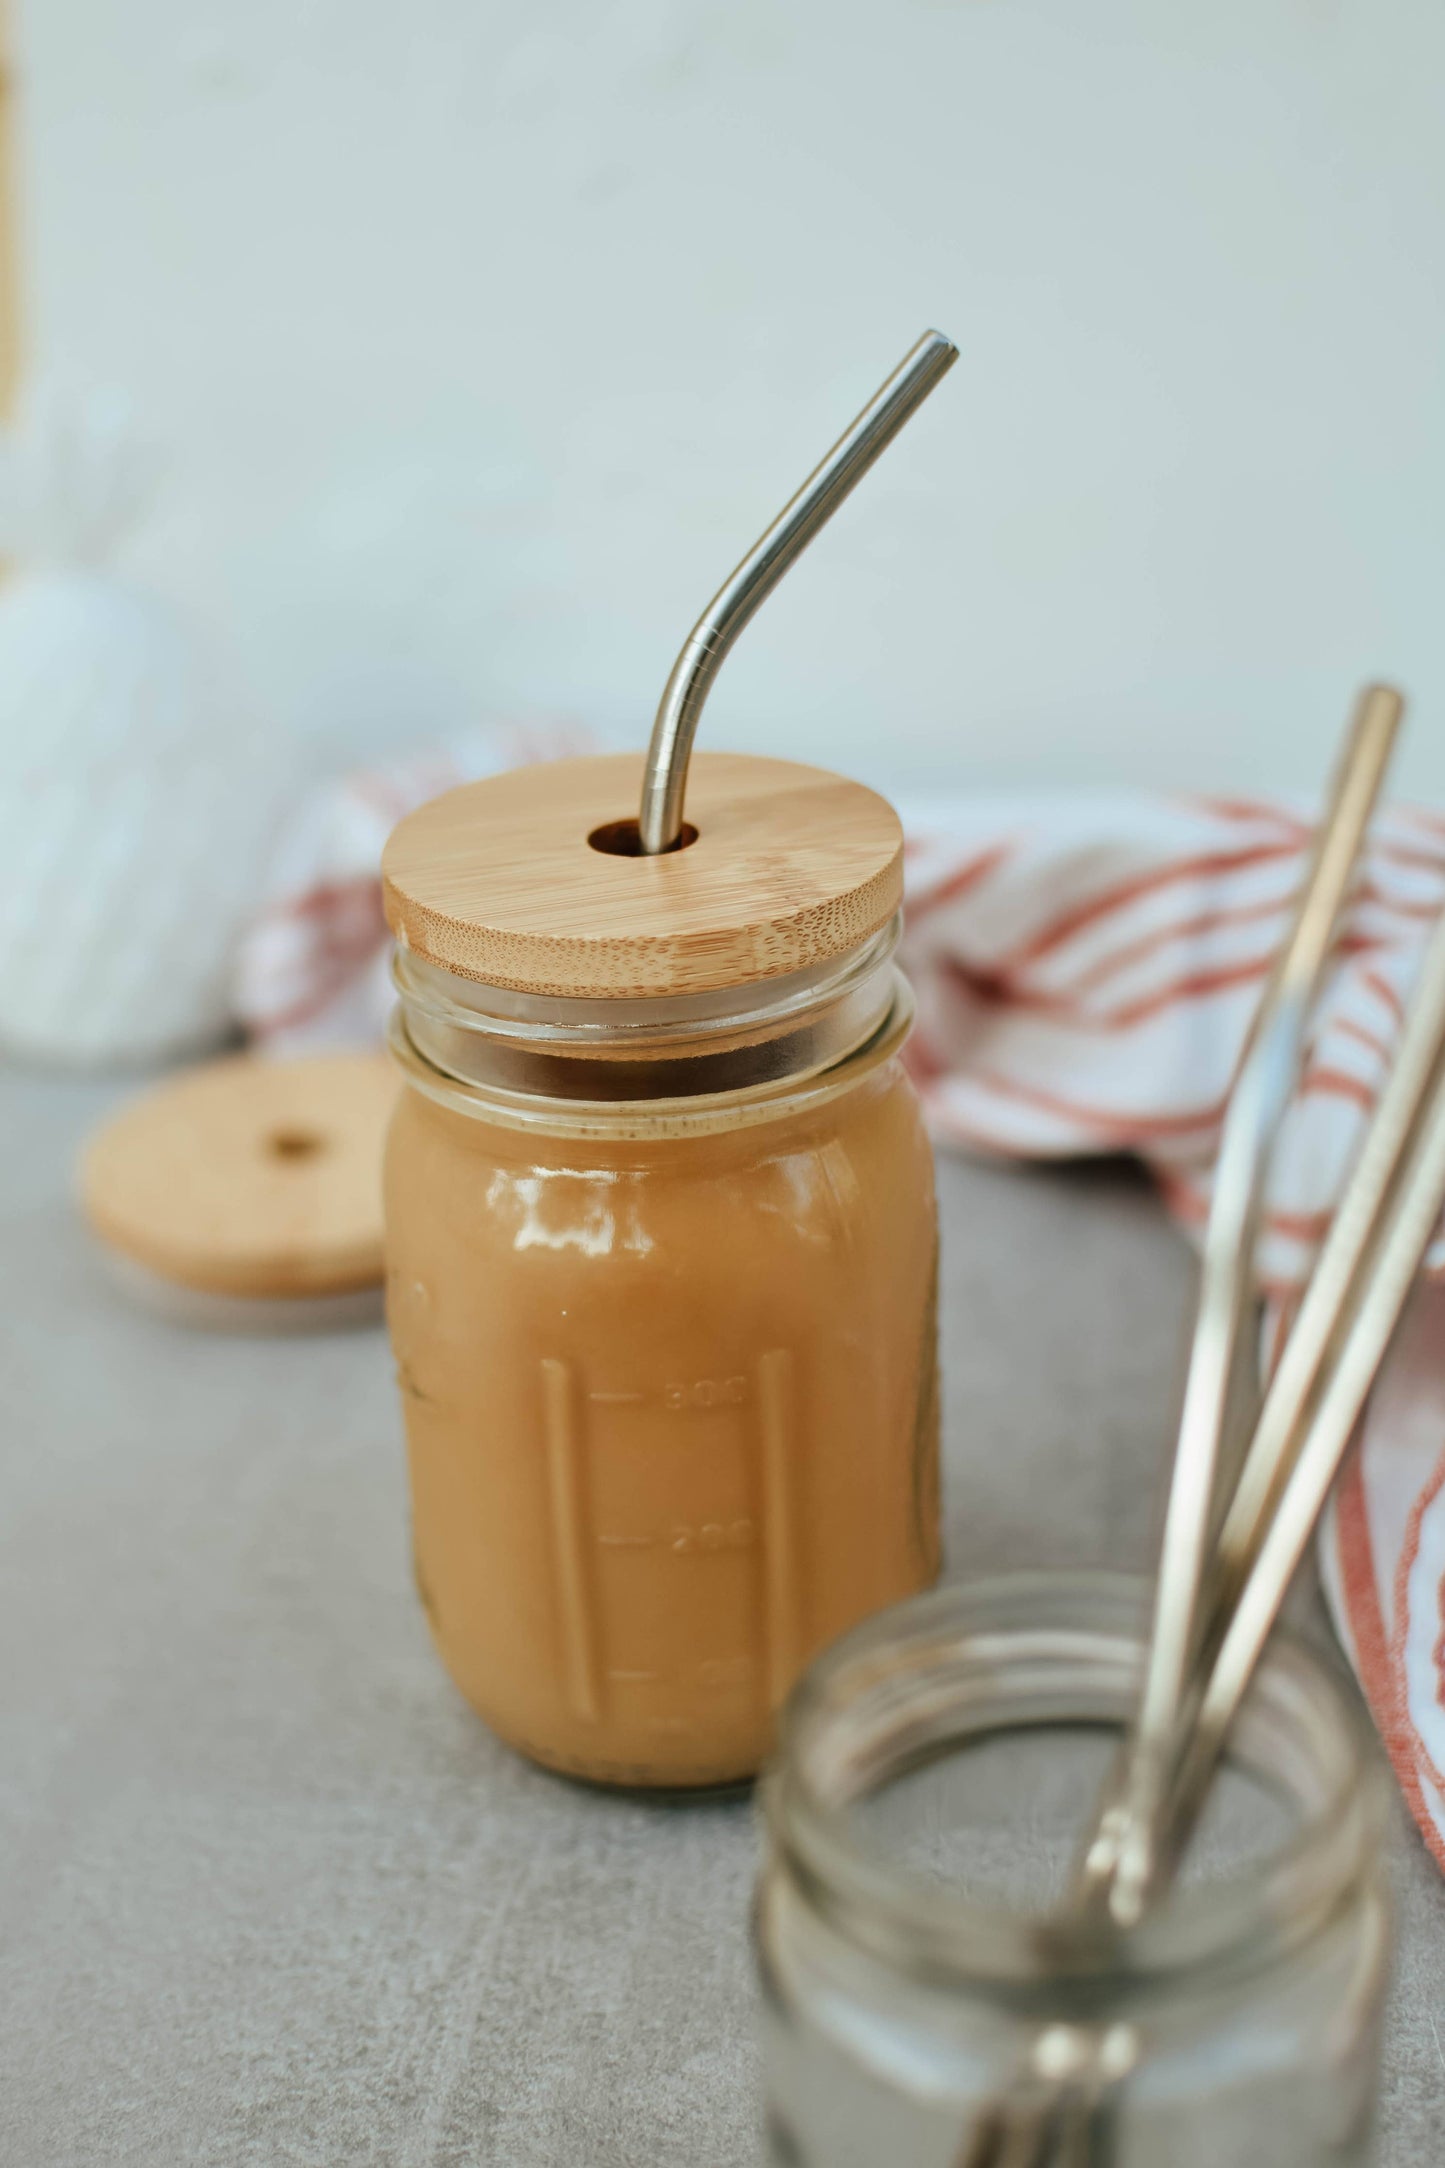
(671, 1414)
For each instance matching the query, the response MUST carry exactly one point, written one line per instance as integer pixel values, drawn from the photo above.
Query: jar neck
(938, 1676)
(776, 1031)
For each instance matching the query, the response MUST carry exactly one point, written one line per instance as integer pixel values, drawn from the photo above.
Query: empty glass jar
(935, 1773)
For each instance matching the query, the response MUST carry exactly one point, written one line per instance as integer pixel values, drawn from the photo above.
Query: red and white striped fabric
(1086, 970)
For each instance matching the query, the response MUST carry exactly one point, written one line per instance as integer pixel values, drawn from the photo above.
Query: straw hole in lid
(294, 1144)
(623, 839)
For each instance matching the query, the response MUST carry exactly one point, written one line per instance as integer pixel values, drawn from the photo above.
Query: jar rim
(914, 1673)
(741, 1106)
(751, 1036)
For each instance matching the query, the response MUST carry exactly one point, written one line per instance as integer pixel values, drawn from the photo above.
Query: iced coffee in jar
(661, 1243)
(661, 1253)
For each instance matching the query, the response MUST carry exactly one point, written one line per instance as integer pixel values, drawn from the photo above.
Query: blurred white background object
(483, 336)
(136, 797)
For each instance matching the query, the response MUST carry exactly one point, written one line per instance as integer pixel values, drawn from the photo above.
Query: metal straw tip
(927, 361)
(1389, 698)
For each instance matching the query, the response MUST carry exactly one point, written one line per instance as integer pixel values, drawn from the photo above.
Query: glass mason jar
(661, 1288)
(933, 1780)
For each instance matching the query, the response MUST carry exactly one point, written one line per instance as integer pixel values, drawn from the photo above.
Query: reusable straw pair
(1237, 1525)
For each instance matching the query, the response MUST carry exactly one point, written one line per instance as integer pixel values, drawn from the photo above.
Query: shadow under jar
(935, 1773)
(661, 1254)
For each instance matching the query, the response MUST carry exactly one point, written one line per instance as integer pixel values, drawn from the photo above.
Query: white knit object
(133, 808)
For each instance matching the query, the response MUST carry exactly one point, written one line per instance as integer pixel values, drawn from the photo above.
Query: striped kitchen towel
(1086, 970)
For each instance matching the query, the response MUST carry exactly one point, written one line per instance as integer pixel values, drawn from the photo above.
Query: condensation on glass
(934, 1775)
(661, 1288)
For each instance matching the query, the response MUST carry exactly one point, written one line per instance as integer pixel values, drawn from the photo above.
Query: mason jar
(661, 1269)
(926, 2003)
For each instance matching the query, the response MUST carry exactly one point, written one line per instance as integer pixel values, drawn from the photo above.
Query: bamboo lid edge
(497, 882)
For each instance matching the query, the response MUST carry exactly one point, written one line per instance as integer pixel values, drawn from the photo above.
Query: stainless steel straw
(1116, 1868)
(1344, 1259)
(1389, 1212)
(1380, 1231)
(665, 780)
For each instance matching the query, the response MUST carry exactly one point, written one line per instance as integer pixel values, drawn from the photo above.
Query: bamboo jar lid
(510, 881)
(250, 1178)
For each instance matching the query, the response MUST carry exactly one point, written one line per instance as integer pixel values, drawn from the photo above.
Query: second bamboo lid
(249, 1178)
(519, 880)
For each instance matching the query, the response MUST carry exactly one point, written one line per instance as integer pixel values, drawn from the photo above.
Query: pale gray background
(270, 1894)
(476, 339)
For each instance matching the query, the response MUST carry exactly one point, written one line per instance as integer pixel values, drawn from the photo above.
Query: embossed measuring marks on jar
(656, 1485)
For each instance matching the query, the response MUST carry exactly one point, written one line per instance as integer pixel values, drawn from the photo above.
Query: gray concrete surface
(269, 1893)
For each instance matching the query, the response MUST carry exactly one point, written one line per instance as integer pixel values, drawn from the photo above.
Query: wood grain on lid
(249, 1177)
(498, 882)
